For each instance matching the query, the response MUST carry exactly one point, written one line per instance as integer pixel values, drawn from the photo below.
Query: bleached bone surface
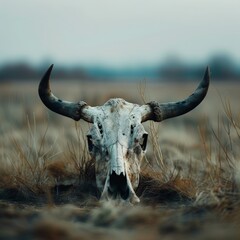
(117, 138)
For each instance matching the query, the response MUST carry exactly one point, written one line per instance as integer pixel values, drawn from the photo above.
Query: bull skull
(117, 139)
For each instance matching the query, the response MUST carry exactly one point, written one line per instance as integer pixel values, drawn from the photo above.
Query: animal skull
(117, 139)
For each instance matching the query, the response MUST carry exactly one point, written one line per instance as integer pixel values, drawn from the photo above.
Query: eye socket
(90, 144)
(143, 142)
(107, 153)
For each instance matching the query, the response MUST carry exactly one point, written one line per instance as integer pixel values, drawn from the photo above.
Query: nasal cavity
(118, 186)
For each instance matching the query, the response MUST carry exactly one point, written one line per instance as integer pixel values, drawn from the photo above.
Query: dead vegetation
(189, 185)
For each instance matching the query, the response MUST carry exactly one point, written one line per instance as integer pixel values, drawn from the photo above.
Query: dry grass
(189, 185)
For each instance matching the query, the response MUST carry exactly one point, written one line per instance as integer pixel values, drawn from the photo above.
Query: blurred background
(140, 50)
(111, 40)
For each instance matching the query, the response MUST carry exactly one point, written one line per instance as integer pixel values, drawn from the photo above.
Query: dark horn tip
(43, 87)
(207, 73)
(47, 74)
(50, 69)
(206, 79)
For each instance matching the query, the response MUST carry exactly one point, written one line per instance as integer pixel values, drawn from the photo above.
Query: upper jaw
(118, 188)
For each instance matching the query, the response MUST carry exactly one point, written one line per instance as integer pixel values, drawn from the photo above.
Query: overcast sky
(117, 32)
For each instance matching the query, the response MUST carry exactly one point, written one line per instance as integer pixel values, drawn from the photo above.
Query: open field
(190, 181)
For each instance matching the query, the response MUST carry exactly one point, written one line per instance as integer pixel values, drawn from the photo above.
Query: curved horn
(159, 111)
(75, 111)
